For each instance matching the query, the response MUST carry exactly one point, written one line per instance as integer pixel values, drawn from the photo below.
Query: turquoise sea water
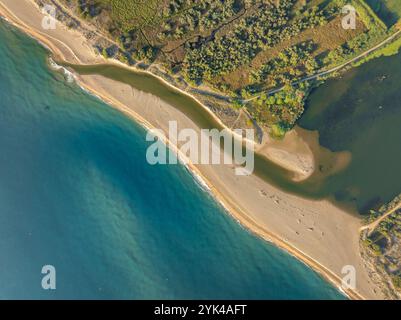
(76, 192)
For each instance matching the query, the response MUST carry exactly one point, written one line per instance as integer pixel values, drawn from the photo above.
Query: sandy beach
(318, 233)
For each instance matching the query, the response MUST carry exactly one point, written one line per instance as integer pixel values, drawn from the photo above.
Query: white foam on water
(69, 76)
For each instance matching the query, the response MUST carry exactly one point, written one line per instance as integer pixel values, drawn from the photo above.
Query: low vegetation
(383, 243)
(241, 48)
(388, 10)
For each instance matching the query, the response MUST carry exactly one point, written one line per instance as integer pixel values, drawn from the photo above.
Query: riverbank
(316, 232)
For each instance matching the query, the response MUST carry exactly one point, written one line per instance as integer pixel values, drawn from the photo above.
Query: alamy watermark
(49, 21)
(49, 280)
(349, 20)
(211, 146)
(349, 279)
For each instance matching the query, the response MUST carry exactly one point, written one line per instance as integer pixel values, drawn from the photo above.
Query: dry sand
(316, 232)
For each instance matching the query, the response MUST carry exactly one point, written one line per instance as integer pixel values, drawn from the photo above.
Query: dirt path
(323, 73)
(225, 98)
(372, 226)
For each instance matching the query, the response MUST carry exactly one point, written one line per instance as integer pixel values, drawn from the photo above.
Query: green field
(241, 48)
(131, 14)
(388, 10)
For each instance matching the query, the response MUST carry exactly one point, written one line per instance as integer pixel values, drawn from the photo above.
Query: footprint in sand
(263, 193)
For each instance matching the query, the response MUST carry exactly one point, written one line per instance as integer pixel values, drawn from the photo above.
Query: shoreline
(232, 208)
(295, 167)
(229, 207)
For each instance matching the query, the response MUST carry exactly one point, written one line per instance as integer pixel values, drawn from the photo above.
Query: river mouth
(76, 193)
(360, 112)
(348, 114)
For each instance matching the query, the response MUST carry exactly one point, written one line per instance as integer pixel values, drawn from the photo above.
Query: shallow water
(361, 113)
(358, 113)
(76, 192)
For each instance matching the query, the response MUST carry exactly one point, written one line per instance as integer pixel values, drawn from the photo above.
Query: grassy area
(389, 50)
(376, 31)
(240, 48)
(131, 14)
(388, 10)
(371, 20)
(384, 243)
